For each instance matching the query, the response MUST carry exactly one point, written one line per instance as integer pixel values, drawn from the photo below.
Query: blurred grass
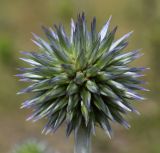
(19, 18)
(31, 147)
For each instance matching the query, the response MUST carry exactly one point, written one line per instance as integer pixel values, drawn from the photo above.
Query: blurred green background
(18, 18)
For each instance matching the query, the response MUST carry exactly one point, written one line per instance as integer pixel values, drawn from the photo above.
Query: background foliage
(19, 18)
(31, 146)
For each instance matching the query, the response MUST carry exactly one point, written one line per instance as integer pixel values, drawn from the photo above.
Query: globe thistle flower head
(81, 79)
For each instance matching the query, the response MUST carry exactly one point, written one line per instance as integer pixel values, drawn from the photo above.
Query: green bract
(81, 79)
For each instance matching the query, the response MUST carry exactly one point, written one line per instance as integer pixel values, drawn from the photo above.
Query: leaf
(48, 127)
(99, 103)
(104, 30)
(42, 58)
(85, 112)
(118, 117)
(69, 116)
(103, 76)
(104, 58)
(75, 123)
(72, 31)
(30, 61)
(81, 60)
(41, 85)
(124, 57)
(122, 105)
(116, 85)
(93, 30)
(107, 128)
(86, 98)
(69, 129)
(116, 70)
(53, 34)
(104, 123)
(107, 91)
(135, 87)
(72, 102)
(59, 105)
(59, 120)
(56, 92)
(72, 88)
(43, 71)
(92, 122)
(69, 69)
(132, 95)
(94, 50)
(49, 33)
(81, 26)
(63, 39)
(115, 99)
(42, 44)
(127, 103)
(60, 54)
(91, 86)
(41, 112)
(60, 79)
(119, 41)
(30, 76)
(91, 72)
(80, 78)
(107, 42)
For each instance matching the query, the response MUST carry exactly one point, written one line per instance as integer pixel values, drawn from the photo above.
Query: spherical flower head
(81, 79)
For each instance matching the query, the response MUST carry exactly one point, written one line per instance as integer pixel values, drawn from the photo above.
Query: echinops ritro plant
(83, 80)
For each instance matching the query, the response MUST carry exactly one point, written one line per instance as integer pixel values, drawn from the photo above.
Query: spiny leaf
(63, 39)
(94, 50)
(104, 123)
(60, 54)
(81, 60)
(93, 30)
(99, 103)
(105, 57)
(61, 79)
(118, 117)
(72, 88)
(30, 61)
(42, 44)
(85, 112)
(104, 30)
(69, 69)
(80, 78)
(103, 76)
(41, 85)
(72, 30)
(86, 98)
(91, 72)
(119, 41)
(91, 86)
(43, 59)
(59, 120)
(50, 34)
(72, 102)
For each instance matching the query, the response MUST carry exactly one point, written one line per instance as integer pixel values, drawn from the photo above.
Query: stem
(82, 140)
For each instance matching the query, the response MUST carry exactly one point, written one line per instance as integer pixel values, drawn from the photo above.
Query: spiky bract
(81, 79)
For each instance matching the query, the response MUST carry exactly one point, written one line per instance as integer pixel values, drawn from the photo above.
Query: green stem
(82, 140)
